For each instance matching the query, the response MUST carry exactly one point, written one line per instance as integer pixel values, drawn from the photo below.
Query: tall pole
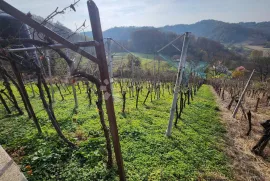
(109, 43)
(105, 80)
(32, 88)
(70, 69)
(50, 72)
(242, 95)
(110, 60)
(158, 69)
(132, 70)
(181, 68)
(132, 76)
(154, 70)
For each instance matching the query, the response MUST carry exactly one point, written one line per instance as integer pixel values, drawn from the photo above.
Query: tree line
(150, 40)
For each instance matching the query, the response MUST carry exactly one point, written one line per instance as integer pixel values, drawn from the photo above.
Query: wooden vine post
(105, 81)
(100, 60)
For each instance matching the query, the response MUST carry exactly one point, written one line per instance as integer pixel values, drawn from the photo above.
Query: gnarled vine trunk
(10, 92)
(48, 107)
(101, 113)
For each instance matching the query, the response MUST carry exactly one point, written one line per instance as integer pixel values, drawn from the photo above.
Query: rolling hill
(227, 33)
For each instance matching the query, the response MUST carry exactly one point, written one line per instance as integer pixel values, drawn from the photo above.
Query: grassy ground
(194, 150)
(147, 61)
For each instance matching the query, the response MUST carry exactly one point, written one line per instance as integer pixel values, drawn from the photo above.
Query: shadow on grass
(205, 137)
(123, 114)
(10, 116)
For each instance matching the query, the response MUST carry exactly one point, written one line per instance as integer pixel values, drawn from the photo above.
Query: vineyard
(148, 154)
(94, 110)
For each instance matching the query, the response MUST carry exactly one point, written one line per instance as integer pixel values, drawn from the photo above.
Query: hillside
(149, 40)
(261, 26)
(61, 30)
(251, 32)
(118, 33)
(221, 31)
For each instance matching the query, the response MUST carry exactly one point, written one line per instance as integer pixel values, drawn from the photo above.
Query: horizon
(186, 24)
(149, 13)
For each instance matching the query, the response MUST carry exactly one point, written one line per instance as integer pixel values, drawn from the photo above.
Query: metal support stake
(32, 88)
(50, 72)
(158, 76)
(70, 70)
(242, 95)
(132, 69)
(181, 68)
(110, 59)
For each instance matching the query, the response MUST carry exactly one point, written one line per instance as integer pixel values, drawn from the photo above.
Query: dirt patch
(245, 165)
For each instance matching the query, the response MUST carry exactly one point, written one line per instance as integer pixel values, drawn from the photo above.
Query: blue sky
(151, 12)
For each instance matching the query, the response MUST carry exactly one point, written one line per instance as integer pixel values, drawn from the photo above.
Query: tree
(147, 40)
(255, 54)
(261, 64)
(136, 61)
(237, 74)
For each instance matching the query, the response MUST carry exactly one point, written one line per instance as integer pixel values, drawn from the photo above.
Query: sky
(150, 12)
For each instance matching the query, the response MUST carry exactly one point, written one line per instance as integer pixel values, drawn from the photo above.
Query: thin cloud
(151, 12)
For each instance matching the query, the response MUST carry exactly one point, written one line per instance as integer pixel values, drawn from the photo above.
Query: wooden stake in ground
(242, 95)
(137, 96)
(105, 81)
(249, 123)
(257, 104)
(124, 101)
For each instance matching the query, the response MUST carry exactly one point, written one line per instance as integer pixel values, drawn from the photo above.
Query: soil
(246, 166)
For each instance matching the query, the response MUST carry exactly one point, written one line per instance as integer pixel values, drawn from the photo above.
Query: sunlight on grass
(194, 149)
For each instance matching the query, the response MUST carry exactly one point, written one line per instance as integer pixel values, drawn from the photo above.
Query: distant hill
(118, 33)
(150, 40)
(250, 32)
(262, 26)
(221, 31)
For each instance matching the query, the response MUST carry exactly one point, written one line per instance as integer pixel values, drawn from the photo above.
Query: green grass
(147, 61)
(195, 147)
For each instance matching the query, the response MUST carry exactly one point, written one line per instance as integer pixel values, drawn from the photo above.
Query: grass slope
(147, 61)
(194, 150)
